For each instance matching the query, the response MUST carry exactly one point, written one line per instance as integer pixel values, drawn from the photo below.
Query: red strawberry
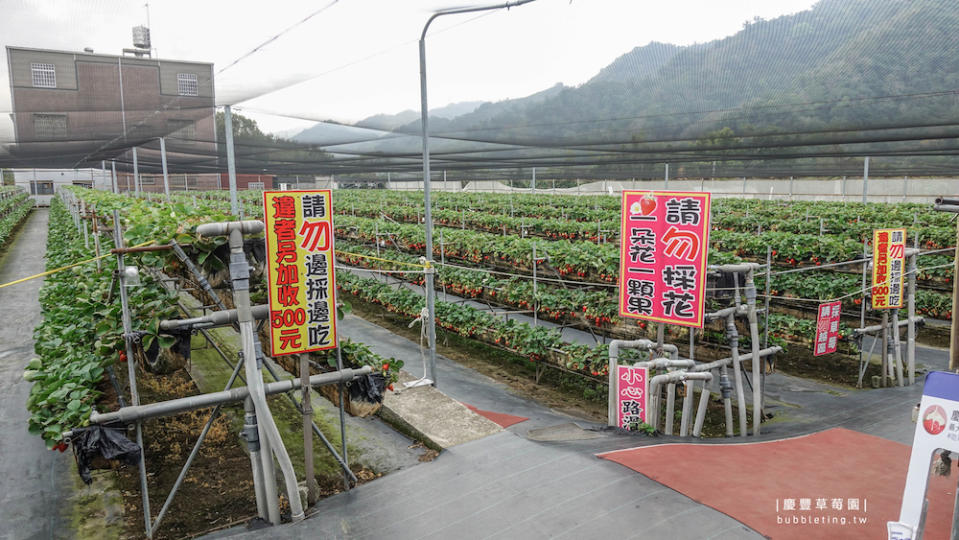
(647, 205)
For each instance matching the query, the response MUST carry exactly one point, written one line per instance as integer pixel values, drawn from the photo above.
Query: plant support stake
(131, 368)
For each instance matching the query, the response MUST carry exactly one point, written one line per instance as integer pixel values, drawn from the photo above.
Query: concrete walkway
(541, 478)
(505, 486)
(35, 480)
(512, 486)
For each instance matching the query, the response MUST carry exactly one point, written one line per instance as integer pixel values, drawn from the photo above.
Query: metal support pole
(424, 116)
(113, 168)
(885, 348)
(896, 345)
(666, 178)
(737, 372)
(954, 335)
(96, 240)
(911, 313)
(347, 475)
(769, 271)
(865, 180)
(166, 176)
(136, 172)
(862, 308)
(307, 406)
(535, 299)
(758, 374)
(230, 160)
(430, 293)
(131, 366)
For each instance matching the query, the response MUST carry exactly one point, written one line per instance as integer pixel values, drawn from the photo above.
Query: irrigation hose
(62, 268)
(347, 253)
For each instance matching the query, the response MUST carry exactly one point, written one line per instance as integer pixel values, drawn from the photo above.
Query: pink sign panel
(664, 239)
(631, 399)
(827, 328)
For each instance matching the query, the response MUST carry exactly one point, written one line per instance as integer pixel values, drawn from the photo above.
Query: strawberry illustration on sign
(644, 207)
(934, 420)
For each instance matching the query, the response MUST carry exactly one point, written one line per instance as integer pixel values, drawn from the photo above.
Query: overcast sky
(359, 57)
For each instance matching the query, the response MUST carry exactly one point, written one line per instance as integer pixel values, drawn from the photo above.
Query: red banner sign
(631, 398)
(827, 328)
(664, 239)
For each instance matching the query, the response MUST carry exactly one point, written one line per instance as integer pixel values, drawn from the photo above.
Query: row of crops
(15, 205)
(734, 237)
(588, 269)
(79, 340)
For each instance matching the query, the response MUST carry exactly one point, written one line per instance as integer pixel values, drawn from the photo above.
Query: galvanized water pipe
(896, 345)
(131, 365)
(268, 431)
(911, 319)
(754, 342)
(733, 336)
(134, 413)
(215, 319)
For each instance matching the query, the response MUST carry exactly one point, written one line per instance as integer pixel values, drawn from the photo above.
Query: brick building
(102, 103)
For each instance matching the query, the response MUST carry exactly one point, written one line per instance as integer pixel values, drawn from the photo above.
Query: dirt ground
(218, 490)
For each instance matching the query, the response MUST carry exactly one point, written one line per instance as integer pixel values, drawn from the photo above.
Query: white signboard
(937, 428)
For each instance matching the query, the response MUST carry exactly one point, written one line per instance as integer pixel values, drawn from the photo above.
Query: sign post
(300, 276)
(827, 328)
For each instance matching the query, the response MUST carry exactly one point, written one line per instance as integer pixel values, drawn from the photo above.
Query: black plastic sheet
(368, 388)
(92, 442)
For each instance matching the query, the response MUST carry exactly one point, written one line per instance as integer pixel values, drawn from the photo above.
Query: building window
(182, 129)
(186, 84)
(50, 126)
(41, 188)
(44, 75)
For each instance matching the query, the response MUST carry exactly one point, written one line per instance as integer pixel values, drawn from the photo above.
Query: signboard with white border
(936, 428)
(632, 384)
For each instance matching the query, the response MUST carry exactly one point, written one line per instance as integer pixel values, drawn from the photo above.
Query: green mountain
(817, 82)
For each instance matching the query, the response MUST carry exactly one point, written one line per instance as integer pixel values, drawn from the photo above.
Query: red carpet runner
(833, 484)
(504, 420)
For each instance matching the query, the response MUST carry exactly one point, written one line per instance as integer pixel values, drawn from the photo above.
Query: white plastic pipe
(655, 385)
(703, 403)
